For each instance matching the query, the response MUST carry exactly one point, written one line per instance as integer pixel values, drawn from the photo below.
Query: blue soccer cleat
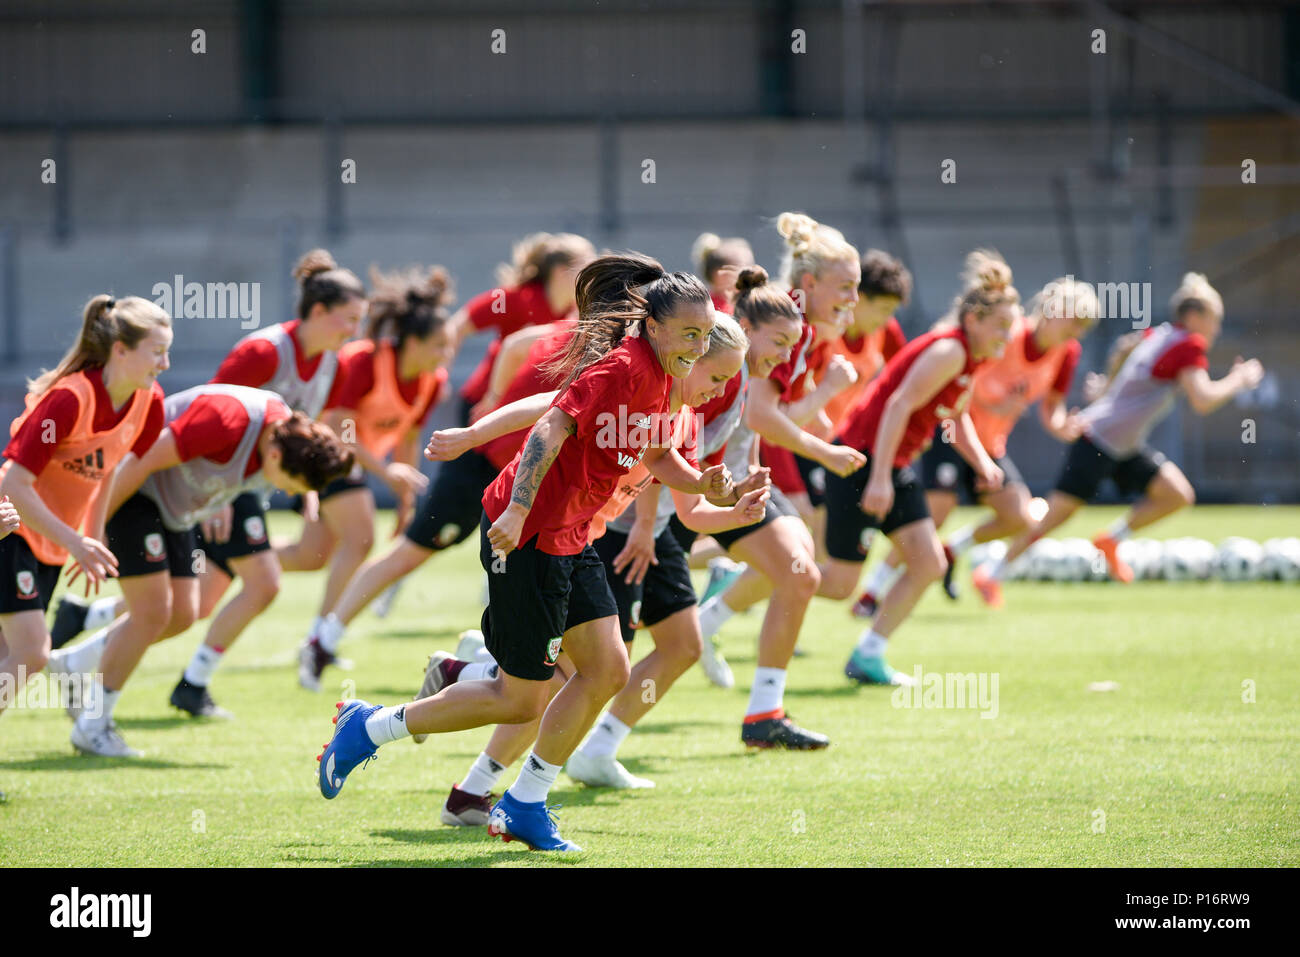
(349, 746)
(873, 671)
(534, 824)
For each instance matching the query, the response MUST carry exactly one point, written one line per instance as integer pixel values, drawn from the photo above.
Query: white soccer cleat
(715, 665)
(471, 645)
(603, 772)
(101, 739)
(384, 603)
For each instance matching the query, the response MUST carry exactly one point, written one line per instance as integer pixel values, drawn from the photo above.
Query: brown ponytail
(411, 302)
(759, 302)
(104, 321)
(612, 293)
(324, 282)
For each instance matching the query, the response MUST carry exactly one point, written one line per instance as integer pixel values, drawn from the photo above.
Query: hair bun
(797, 229)
(316, 261)
(987, 270)
(751, 277)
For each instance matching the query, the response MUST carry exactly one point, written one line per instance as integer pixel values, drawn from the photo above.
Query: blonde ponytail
(104, 321)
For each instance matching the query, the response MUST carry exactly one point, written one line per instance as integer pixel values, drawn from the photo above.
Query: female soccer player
(449, 511)
(99, 403)
(1038, 364)
(929, 380)
(1166, 360)
(298, 361)
(779, 547)
(717, 262)
(390, 381)
(639, 327)
(220, 441)
(648, 573)
(536, 288)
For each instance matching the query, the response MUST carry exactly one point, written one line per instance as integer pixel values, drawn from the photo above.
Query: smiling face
(682, 338)
(141, 366)
(709, 378)
(338, 323)
(830, 296)
(988, 334)
(770, 344)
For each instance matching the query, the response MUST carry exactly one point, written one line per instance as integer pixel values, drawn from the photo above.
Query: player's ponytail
(410, 302)
(759, 302)
(986, 285)
(809, 247)
(323, 281)
(1195, 294)
(614, 293)
(104, 321)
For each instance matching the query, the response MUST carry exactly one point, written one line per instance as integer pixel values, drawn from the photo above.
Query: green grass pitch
(1176, 766)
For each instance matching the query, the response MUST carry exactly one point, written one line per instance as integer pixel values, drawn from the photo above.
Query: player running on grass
(220, 441)
(647, 571)
(1163, 362)
(391, 381)
(929, 380)
(639, 327)
(1037, 366)
(450, 511)
(101, 402)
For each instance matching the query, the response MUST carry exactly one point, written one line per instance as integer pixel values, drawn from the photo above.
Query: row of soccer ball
(1175, 559)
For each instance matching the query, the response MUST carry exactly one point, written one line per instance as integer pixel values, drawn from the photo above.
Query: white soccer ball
(1282, 559)
(1188, 559)
(1151, 556)
(1076, 560)
(1239, 560)
(1045, 559)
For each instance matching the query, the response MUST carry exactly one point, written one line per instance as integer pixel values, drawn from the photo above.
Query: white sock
(962, 539)
(84, 658)
(714, 613)
(329, 632)
(99, 704)
(534, 781)
(882, 578)
(606, 737)
(997, 567)
(1120, 530)
(478, 670)
(203, 664)
(483, 775)
(387, 724)
(768, 691)
(871, 644)
(101, 612)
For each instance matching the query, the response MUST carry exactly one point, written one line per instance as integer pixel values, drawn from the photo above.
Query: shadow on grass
(437, 638)
(671, 727)
(169, 721)
(88, 762)
(836, 691)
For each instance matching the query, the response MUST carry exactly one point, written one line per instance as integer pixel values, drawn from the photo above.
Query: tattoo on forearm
(533, 466)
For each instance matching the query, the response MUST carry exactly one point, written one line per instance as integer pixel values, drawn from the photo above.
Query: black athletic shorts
(450, 510)
(682, 535)
(345, 484)
(143, 545)
(28, 582)
(534, 599)
(666, 590)
(944, 470)
(849, 529)
(814, 479)
(777, 505)
(1087, 466)
(248, 534)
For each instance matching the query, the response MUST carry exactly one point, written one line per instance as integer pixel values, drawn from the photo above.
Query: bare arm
(1059, 420)
(699, 516)
(668, 466)
(447, 444)
(540, 449)
(764, 416)
(131, 472)
(513, 352)
(968, 446)
(1205, 395)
